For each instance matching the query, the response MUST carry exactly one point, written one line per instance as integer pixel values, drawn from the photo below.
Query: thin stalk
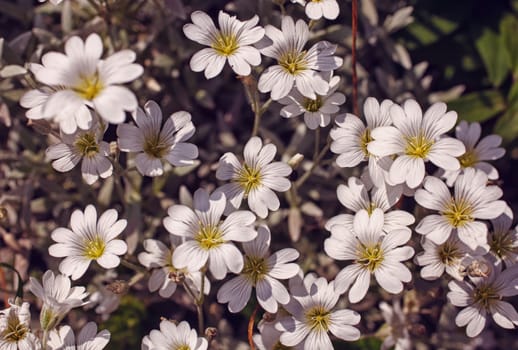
(251, 328)
(317, 160)
(317, 144)
(353, 54)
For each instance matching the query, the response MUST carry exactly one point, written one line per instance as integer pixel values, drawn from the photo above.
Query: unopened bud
(118, 287)
(295, 161)
(478, 269)
(211, 333)
(3, 214)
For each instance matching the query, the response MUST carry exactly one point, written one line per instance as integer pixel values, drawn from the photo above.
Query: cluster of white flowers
(408, 155)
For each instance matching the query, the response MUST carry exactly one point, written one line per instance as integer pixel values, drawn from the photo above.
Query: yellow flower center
(225, 45)
(255, 269)
(293, 62)
(458, 213)
(183, 347)
(485, 295)
(318, 318)
(249, 178)
(15, 330)
(94, 248)
(418, 146)
(365, 138)
(370, 257)
(503, 244)
(209, 237)
(468, 159)
(449, 253)
(89, 87)
(154, 147)
(313, 105)
(87, 145)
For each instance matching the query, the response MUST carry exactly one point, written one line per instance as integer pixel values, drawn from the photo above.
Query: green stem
(317, 160)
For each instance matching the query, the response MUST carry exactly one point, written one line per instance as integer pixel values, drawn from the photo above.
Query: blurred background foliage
(463, 52)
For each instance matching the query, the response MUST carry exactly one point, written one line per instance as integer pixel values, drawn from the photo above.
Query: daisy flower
(165, 277)
(480, 296)
(313, 316)
(58, 297)
(316, 9)
(354, 196)
(317, 112)
(232, 42)
(87, 147)
(372, 253)
(15, 330)
(81, 79)
(503, 241)
(155, 144)
(437, 258)
(416, 139)
(88, 338)
(255, 178)
(262, 272)
(89, 239)
(472, 200)
(477, 153)
(174, 337)
(208, 239)
(351, 138)
(295, 65)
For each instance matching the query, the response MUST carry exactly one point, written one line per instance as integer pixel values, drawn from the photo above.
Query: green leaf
(19, 290)
(430, 28)
(507, 125)
(478, 106)
(492, 50)
(509, 33)
(512, 96)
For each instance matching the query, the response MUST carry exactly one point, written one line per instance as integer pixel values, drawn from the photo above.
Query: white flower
(208, 238)
(317, 112)
(88, 338)
(351, 138)
(88, 240)
(414, 139)
(58, 297)
(15, 330)
(482, 295)
(104, 301)
(472, 199)
(269, 337)
(395, 318)
(164, 277)
(232, 42)
(372, 252)
(255, 178)
(296, 66)
(154, 143)
(174, 337)
(313, 316)
(503, 242)
(436, 258)
(316, 9)
(54, 2)
(262, 271)
(85, 146)
(354, 196)
(476, 153)
(81, 79)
